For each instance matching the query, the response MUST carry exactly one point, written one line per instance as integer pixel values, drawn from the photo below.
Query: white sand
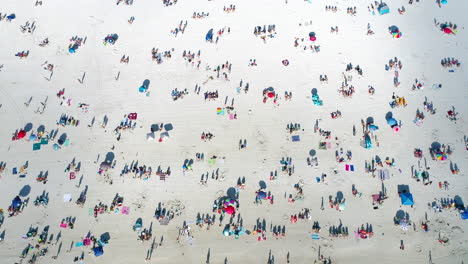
(420, 49)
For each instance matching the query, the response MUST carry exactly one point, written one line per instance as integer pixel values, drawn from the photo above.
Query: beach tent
(209, 35)
(407, 199)
(383, 9)
(98, 251)
(164, 136)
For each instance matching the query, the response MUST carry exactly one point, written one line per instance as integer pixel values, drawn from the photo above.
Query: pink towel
(63, 225)
(125, 210)
(231, 116)
(329, 145)
(347, 167)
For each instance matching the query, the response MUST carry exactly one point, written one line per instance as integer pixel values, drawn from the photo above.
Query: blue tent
(209, 35)
(98, 251)
(464, 215)
(407, 199)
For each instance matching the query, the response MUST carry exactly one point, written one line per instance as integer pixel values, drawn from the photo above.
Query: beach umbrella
(285, 62)
(393, 29)
(21, 134)
(56, 147)
(397, 35)
(392, 121)
(311, 34)
(261, 195)
(229, 210)
(396, 128)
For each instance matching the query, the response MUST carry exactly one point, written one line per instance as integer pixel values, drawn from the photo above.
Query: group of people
(450, 63)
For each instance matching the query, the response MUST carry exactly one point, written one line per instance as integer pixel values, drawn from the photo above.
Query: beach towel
(384, 174)
(322, 145)
(349, 167)
(79, 244)
(231, 116)
(296, 138)
(22, 176)
(36, 146)
(67, 142)
(329, 145)
(125, 210)
(212, 161)
(67, 198)
(220, 111)
(44, 141)
(87, 241)
(90, 211)
(72, 175)
(15, 170)
(63, 225)
(21, 169)
(315, 236)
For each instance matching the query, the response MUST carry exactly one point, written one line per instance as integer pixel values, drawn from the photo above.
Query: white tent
(150, 136)
(164, 136)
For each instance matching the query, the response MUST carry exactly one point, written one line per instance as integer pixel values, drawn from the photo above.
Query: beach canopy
(407, 199)
(98, 251)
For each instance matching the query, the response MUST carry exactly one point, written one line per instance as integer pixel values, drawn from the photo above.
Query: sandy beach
(321, 131)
